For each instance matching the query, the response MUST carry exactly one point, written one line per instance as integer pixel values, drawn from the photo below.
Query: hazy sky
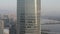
(49, 7)
(7, 6)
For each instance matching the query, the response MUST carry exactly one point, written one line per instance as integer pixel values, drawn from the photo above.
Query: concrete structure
(28, 16)
(1, 27)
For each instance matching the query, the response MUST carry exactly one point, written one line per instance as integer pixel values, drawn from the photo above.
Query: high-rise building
(1, 27)
(6, 20)
(28, 16)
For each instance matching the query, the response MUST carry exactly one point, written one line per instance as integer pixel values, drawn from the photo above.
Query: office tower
(1, 27)
(28, 16)
(6, 20)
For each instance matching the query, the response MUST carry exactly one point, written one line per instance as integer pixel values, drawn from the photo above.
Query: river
(51, 27)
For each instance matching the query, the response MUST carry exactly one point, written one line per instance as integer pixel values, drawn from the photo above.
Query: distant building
(12, 29)
(12, 26)
(6, 20)
(1, 27)
(11, 21)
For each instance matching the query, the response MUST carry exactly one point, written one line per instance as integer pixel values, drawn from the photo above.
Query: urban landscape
(7, 25)
(29, 16)
(20, 16)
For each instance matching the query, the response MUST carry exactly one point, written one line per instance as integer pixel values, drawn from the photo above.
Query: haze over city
(10, 9)
(8, 6)
(48, 7)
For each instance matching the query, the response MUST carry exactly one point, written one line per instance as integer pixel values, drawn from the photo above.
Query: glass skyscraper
(28, 16)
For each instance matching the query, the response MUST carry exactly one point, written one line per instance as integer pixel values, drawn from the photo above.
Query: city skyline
(24, 15)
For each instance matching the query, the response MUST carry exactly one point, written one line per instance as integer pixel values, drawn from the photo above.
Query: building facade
(1, 27)
(28, 16)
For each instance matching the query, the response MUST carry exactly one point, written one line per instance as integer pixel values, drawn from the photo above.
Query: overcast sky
(49, 7)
